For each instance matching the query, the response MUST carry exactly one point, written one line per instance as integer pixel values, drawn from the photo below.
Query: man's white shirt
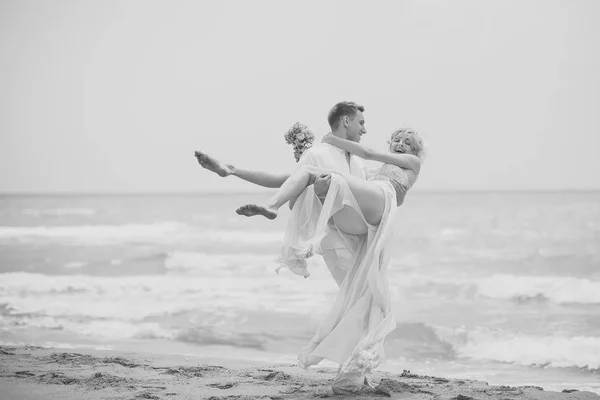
(338, 248)
(333, 158)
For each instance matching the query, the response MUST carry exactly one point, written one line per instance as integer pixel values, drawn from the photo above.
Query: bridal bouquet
(300, 137)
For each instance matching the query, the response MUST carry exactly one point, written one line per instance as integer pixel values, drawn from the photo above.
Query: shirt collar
(341, 151)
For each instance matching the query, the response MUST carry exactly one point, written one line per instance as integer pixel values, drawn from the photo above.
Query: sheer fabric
(352, 334)
(401, 179)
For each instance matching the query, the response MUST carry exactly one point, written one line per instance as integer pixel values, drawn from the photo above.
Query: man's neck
(344, 135)
(340, 133)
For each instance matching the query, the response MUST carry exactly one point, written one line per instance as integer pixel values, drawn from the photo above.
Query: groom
(346, 121)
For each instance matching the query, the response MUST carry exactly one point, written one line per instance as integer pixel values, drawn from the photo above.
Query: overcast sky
(114, 96)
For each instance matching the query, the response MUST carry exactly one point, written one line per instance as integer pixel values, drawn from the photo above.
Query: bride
(398, 173)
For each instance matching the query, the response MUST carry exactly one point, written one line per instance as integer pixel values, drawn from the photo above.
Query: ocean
(501, 286)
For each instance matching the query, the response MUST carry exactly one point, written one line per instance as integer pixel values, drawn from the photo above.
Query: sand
(28, 373)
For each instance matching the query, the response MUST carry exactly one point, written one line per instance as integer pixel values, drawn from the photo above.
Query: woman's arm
(408, 161)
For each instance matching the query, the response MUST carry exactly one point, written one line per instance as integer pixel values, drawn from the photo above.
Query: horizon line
(196, 193)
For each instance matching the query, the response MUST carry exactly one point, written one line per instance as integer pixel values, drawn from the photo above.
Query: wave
(135, 298)
(129, 307)
(421, 341)
(114, 330)
(123, 298)
(75, 264)
(219, 264)
(417, 341)
(59, 212)
(109, 329)
(522, 349)
(162, 233)
(557, 289)
(211, 336)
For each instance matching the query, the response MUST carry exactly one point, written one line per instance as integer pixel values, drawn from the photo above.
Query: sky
(115, 96)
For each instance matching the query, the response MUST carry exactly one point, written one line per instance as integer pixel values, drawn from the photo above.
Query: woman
(354, 330)
(399, 172)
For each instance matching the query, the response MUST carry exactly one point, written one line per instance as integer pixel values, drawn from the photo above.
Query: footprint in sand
(218, 385)
(58, 378)
(146, 395)
(24, 373)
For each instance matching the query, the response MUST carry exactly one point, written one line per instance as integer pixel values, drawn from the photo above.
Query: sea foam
(161, 233)
(524, 349)
(134, 298)
(558, 289)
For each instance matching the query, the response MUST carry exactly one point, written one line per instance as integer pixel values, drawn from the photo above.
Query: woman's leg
(212, 164)
(370, 199)
(291, 189)
(261, 178)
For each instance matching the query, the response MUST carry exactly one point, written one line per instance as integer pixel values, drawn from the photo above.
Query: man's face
(355, 126)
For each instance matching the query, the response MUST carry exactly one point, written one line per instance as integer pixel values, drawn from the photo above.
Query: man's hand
(321, 185)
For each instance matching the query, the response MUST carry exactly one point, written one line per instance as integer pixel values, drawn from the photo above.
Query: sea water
(502, 287)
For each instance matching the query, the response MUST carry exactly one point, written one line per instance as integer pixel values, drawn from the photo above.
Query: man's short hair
(342, 109)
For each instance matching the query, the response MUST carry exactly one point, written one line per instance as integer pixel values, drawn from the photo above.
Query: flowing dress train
(353, 332)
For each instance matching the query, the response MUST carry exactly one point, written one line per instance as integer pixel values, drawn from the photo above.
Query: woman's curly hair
(417, 143)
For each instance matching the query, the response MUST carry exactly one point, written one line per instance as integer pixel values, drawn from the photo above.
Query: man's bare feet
(250, 210)
(212, 164)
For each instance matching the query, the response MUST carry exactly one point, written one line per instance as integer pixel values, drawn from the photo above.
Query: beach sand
(28, 373)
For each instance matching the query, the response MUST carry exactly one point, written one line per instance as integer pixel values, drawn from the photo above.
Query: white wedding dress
(353, 332)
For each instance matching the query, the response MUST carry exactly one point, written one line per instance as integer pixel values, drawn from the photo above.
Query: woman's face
(402, 144)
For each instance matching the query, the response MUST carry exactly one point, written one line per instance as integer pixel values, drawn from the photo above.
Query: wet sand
(28, 373)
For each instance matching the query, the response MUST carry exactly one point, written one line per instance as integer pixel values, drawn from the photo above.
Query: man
(347, 121)
(338, 248)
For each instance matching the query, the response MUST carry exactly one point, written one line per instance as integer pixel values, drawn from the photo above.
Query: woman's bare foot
(212, 164)
(253, 209)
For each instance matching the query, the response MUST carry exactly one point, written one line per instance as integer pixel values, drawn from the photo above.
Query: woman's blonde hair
(417, 143)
